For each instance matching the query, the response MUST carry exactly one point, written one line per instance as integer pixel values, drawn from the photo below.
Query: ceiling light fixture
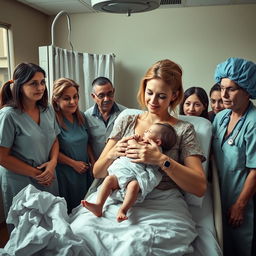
(125, 6)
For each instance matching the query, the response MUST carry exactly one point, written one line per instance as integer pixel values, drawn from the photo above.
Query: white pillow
(203, 128)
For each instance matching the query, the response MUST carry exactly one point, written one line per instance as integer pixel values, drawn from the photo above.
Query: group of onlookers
(37, 138)
(234, 147)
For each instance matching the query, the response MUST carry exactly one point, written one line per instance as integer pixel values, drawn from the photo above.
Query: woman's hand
(119, 148)
(141, 152)
(80, 166)
(47, 176)
(236, 215)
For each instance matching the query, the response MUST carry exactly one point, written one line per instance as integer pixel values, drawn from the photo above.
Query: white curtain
(83, 68)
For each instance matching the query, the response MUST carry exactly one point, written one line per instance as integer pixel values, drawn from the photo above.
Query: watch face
(167, 164)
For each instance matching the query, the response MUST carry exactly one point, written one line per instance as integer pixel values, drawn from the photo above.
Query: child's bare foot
(121, 216)
(94, 208)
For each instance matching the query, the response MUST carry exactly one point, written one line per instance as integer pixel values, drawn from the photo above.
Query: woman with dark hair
(73, 168)
(195, 102)
(215, 101)
(28, 130)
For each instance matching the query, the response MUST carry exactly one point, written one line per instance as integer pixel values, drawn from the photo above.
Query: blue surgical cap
(241, 71)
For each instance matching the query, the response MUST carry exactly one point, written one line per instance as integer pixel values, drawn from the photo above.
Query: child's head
(163, 134)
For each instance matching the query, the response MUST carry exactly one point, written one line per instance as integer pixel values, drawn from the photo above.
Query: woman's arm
(236, 212)
(112, 151)
(16, 165)
(54, 152)
(190, 176)
(91, 155)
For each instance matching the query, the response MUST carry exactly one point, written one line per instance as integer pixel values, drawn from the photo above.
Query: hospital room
(90, 89)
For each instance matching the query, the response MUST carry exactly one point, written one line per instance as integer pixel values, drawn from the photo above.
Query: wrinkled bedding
(161, 225)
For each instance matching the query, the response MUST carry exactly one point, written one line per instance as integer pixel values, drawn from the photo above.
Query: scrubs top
(73, 141)
(29, 142)
(99, 131)
(235, 156)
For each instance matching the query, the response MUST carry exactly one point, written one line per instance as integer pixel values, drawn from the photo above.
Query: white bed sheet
(206, 243)
(42, 227)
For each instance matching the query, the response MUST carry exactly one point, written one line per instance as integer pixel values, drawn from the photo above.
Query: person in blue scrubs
(234, 145)
(75, 156)
(28, 134)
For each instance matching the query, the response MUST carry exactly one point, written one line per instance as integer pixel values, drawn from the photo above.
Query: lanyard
(225, 120)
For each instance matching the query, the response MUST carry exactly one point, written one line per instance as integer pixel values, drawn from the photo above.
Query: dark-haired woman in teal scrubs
(234, 146)
(28, 135)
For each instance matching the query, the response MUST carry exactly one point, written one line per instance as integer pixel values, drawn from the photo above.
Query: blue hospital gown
(29, 142)
(234, 162)
(73, 143)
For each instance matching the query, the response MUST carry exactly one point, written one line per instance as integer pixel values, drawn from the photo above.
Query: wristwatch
(166, 164)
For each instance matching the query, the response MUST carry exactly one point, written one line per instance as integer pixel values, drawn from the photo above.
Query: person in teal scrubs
(28, 134)
(75, 156)
(234, 145)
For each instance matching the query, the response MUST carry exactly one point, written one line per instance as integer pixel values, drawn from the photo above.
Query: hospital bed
(42, 226)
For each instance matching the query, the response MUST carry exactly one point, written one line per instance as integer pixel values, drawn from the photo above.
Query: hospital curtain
(96, 65)
(83, 68)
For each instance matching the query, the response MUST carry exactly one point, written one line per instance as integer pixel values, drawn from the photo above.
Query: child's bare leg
(131, 195)
(110, 183)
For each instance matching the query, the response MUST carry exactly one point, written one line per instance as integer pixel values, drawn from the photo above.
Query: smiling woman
(195, 102)
(75, 157)
(26, 119)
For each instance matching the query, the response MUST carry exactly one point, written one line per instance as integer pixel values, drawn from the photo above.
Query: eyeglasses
(103, 95)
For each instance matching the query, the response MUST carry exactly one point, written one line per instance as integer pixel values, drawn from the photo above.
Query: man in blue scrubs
(101, 117)
(234, 144)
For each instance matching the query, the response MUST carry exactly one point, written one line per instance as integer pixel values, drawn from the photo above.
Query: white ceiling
(52, 7)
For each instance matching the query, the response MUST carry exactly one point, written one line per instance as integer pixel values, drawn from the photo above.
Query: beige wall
(30, 29)
(197, 38)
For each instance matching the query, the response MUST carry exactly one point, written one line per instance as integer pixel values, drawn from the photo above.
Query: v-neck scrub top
(29, 142)
(73, 143)
(234, 162)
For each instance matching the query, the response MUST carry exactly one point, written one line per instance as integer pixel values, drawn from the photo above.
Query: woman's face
(33, 90)
(216, 102)
(233, 96)
(158, 96)
(68, 102)
(193, 106)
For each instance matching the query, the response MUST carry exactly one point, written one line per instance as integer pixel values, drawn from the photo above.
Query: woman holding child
(160, 92)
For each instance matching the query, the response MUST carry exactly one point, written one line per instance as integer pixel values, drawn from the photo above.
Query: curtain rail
(53, 27)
